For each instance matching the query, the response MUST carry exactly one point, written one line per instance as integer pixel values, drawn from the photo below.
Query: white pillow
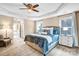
(44, 33)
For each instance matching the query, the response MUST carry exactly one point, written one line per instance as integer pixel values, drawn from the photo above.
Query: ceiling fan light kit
(29, 10)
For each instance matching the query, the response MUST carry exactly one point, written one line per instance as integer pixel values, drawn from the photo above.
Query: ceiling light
(29, 10)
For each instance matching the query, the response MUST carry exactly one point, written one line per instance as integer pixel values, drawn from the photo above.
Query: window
(39, 26)
(66, 26)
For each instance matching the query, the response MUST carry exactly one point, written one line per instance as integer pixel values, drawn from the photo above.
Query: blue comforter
(41, 41)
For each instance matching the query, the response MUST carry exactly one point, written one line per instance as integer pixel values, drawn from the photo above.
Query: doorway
(18, 29)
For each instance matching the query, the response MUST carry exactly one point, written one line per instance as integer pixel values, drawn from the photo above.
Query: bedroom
(47, 21)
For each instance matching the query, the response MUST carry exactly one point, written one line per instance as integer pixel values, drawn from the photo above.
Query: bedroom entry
(18, 29)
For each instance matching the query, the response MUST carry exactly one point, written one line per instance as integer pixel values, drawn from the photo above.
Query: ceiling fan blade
(35, 10)
(25, 4)
(35, 6)
(23, 8)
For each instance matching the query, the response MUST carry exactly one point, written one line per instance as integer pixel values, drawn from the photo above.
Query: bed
(43, 43)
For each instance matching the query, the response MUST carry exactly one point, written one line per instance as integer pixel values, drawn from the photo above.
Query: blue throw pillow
(55, 38)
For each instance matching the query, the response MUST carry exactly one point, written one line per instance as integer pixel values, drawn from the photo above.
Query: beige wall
(54, 21)
(61, 17)
(51, 22)
(7, 23)
(29, 27)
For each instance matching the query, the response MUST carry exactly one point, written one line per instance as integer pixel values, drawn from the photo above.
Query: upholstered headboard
(50, 30)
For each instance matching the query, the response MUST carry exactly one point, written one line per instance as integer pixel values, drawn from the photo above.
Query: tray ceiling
(12, 9)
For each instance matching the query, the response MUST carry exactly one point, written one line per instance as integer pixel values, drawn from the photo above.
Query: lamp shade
(65, 28)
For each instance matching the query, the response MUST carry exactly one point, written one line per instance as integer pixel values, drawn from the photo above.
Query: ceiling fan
(30, 7)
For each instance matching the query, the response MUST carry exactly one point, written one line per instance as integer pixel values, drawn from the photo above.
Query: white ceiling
(12, 9)
(45, 10)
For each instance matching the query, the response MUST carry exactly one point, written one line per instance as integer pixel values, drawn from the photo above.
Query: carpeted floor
(19, 48)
